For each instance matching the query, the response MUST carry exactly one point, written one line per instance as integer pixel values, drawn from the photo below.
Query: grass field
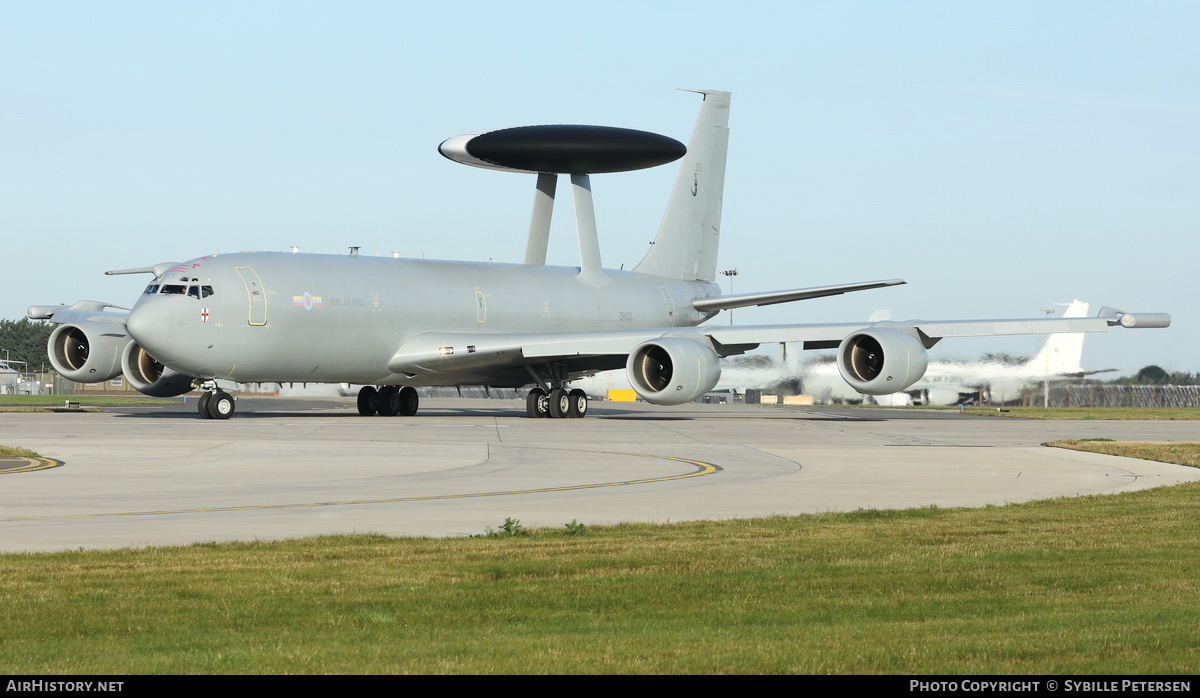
(1181, 452)
(1090, 585)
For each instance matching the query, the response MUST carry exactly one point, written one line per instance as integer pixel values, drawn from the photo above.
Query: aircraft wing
(81, 311)
(744, 300)
(94, 311)
(930, 332)
(452, 351)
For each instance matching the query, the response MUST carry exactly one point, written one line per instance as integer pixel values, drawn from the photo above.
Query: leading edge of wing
(939, 329)
(744, 300)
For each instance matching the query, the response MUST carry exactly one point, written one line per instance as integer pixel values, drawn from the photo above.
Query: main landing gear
(216, 404)
(544, 401)
(557, 403)
(388, 401)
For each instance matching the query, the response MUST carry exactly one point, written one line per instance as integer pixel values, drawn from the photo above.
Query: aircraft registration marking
(701, 468)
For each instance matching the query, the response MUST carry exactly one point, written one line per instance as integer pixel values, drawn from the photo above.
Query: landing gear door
(256, 296)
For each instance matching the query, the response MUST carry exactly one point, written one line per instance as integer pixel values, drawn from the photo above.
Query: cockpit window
(192, 291)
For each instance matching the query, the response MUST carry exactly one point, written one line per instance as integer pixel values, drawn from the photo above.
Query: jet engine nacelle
(148, 376)
(672, 370)
(87, 352)
(880, 360)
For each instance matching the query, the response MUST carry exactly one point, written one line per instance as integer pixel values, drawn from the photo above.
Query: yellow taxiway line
(21, 464)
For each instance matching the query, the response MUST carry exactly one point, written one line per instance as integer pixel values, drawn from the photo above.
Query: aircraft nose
(149, 323)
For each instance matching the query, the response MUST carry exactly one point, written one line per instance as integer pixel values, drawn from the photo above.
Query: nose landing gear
(215, 403)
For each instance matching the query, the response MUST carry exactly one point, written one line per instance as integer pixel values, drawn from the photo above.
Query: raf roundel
(563, 149)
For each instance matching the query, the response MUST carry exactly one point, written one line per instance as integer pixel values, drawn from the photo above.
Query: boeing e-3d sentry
(390, 324)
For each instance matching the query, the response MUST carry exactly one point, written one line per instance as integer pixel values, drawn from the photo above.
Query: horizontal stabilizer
(1085, 374)
(797, 294)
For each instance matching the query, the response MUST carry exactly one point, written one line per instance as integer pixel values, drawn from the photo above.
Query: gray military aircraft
(391, 324)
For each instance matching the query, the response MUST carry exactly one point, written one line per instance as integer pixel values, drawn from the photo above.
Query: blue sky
(999, 157)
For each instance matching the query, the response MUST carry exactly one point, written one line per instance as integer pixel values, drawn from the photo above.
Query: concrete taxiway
(288, 468)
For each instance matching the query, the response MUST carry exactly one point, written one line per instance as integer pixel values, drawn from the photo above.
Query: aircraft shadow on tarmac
(186, 412)
(336, 410)
(295, 408)
(321, 414)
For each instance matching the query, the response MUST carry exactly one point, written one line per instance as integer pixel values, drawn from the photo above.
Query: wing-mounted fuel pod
(579, 151)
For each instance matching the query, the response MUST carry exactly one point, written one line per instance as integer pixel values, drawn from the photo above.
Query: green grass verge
(1136, 413)
(1181, 452)
(14, 452)
(1089, 585)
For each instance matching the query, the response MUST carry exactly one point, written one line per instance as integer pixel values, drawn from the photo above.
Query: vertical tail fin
(1062, 353)
(687, 240)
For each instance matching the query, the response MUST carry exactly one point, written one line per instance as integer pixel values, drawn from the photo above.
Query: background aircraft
(392, 323)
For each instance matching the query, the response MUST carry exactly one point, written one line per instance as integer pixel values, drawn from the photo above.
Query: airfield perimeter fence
(1108, 395)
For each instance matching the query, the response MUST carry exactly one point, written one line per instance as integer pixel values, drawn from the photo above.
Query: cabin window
(151, 289)
(206, 291)
(194, 292)
(173, 289)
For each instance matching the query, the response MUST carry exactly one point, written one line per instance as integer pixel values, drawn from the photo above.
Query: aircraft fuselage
(272, 317)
